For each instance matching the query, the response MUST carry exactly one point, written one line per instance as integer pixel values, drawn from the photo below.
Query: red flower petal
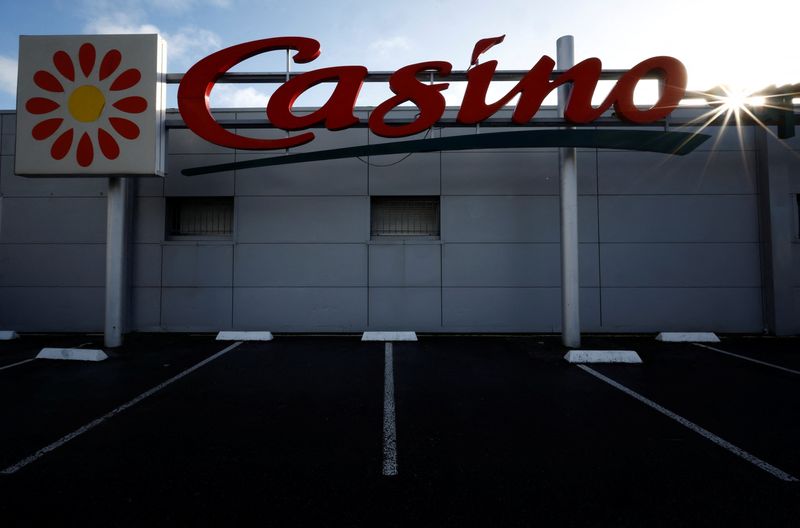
(46, 128)
(110, 63)
(87, 56)
(107, 144)
(63, 64)
(126, 80)
(62, 145)
(47, 81)
(132, 105)
(85, 150)
(124, 128)
(40, 105)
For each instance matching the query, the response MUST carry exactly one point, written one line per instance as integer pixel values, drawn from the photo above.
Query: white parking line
(748, 359)
(91, 425)
(389, 425)
(775, 472)
(17, 363)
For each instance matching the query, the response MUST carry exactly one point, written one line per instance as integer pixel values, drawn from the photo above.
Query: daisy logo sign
(91, 105)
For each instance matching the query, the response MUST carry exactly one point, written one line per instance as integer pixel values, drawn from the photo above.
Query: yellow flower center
(86, 103)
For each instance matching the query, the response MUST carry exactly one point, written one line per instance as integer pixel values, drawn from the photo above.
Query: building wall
(52, 248)
(667, 243)
(783, 165)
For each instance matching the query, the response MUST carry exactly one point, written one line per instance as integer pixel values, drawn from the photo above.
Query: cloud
(188, 42)
(191, 42)
(180, 6)
(390, 45)
(117, 23)
(8, 75)
(229, 96)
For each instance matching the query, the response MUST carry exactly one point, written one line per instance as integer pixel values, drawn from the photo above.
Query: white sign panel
(91, 105)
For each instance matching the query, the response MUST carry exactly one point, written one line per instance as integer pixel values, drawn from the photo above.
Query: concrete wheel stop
(389, 336)
(602, 356)
(232, 335)
(72, 354)
(688, 337)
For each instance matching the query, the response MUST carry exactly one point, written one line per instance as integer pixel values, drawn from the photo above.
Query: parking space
(781, 352)
(491, 431)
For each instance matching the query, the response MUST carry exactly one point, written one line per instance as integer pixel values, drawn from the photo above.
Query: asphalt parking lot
(183, 430)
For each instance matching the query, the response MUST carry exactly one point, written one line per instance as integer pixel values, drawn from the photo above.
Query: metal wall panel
(300, 265)
(8, 123)
(513, 309)
(197, 265)
(511, 173)
(405, 264)
(302, 219)
(218, 184)
(13, 185)
(8, 144)
(687, 218)
(682, 309)
(195, 309)
(792, 143)
(184, 141)
(468, 131)
(317, 178)
(56, 265)
(145, 310)
(781, 186)
(300, 309)
(323, 139)
(797, 300)
(48, 309)
(785, 162)
(326, 139)
(510, 265)
(681, 265)
(406, 308)
(146, 262)
(494, 219)
(796, 264)
(149, 186)
(53, 220)
(721, 140)
(148, 220)
(726, 172)
(416, 175)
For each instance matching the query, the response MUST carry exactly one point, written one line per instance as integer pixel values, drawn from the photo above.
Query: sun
(735, 99)
(91, 101)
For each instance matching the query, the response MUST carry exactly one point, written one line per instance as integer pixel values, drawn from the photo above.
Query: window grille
(404, 216)
(200, 217)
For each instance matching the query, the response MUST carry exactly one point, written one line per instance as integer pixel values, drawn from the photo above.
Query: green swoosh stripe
(678, 143)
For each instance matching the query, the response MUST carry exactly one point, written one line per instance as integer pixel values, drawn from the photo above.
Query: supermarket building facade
(443, 241)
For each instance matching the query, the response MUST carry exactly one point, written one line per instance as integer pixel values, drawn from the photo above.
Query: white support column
(116, 259)
(570, 285)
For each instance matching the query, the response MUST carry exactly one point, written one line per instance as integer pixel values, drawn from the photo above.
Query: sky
(746, 45)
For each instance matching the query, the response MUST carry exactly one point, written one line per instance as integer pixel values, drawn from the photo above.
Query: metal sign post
(116, 259)
(568, 169)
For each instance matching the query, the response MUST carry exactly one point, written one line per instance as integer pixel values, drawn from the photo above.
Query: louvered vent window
(404, 216)
(199, 217)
